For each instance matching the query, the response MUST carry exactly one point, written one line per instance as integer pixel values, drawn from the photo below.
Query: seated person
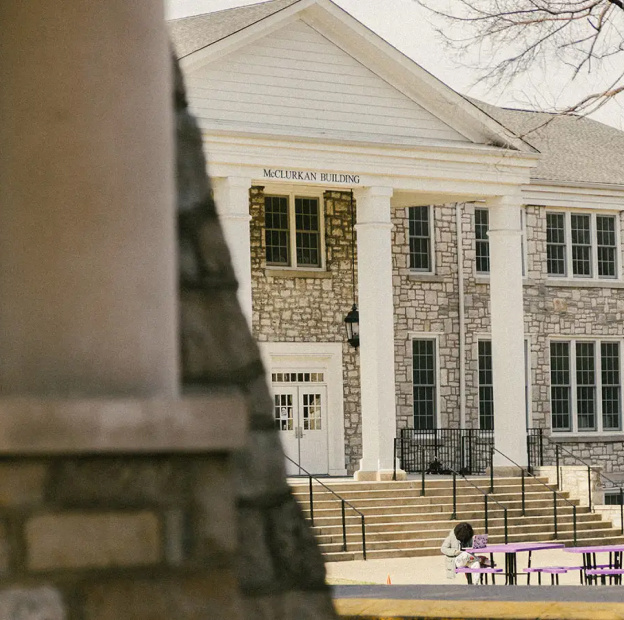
(460, 538)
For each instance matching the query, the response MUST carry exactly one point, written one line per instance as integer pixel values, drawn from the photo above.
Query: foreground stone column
(376, 307)
(232, 200)
(507, 314)
(87, 235)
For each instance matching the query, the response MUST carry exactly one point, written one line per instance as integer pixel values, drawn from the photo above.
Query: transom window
(292, 231)
(585, 385)
(420, 239)
(424, 383)
(482, 243)
(581, 245)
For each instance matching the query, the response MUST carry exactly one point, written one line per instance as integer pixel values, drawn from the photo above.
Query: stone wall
(306, 306)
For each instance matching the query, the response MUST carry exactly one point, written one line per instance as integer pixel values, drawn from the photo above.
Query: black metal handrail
(344, 503)
(554, 491)
(486, 500)
(614, 484)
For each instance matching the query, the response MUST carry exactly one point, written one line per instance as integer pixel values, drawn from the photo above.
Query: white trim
(594, 277)
(573, 195)
(291, 193)
(596, 340)
(432, 242)
(323, 357)
(435, 336)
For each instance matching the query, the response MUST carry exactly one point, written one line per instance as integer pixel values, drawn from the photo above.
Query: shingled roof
(573, 149)
(190, 34)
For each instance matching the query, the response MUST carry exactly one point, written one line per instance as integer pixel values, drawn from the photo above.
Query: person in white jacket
(459, 538)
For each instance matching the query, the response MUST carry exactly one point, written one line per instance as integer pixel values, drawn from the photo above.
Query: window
(292, 231)
(482, 243)
(613, 498)
(585, 386)
(420, 239)
(486, 388)
(424, 381)
(581, 245)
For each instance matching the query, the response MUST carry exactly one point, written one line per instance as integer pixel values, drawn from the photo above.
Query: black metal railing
(343, 503)
(442, 450)
(553, 491)
(486, 500)
(535, 448)
(611, 483)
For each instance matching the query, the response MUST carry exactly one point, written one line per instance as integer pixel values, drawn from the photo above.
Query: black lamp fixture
(352, 320)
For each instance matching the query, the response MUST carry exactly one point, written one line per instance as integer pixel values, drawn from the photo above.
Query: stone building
(481, 245)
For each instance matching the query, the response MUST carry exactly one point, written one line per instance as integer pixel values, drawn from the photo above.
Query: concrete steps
(401, 522)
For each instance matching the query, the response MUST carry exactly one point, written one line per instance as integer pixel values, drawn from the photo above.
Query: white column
(375, 301)
(232, 200)
(507, 315)
(88, 284)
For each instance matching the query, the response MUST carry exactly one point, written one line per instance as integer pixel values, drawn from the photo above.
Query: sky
(410, 29)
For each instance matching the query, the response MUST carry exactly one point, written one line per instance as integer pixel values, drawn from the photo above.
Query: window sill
(616, 436)
(580, 283)
(296, 273)
(416, 276)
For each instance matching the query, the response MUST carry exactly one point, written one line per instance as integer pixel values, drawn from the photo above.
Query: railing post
(589, 486)
(344, 527)
(541, 447)
(487, 526)
(555, 513)
(363, 538)
(454, 515)
(506, 530)
(394, 459)
(523, 498)
(422, 471)
(492, 470)
(557, 464)
(622, 510)
(311, 502)
(574, 522)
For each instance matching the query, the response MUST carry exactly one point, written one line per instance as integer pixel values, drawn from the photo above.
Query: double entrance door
(300, 413)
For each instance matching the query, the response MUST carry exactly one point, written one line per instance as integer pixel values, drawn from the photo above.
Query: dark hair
(463, 532)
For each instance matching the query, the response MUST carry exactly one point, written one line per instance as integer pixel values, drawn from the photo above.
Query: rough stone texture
(31, 604)
(575, 480)
(197, 597)
(65, 541)
(311, 308)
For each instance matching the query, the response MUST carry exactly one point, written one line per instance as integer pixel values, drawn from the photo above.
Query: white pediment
(296, 82)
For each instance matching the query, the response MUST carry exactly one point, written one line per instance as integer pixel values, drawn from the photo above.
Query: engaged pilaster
(232, 200)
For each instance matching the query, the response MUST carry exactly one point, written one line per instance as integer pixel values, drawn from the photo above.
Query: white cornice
(574, 195)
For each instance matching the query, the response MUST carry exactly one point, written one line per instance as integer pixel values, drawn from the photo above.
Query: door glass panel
(284, 412)
(312, 412)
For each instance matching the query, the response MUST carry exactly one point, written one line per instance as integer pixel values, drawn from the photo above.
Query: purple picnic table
(511, 550)
(590, 563)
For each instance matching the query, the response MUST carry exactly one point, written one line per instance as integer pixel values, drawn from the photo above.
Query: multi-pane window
(420, 238)
(482, 243)
(486, 387)
(292, 231)
(582, 245)
(585, 386)
(424, 383)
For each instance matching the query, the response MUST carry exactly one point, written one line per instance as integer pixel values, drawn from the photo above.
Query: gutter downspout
(462, 319)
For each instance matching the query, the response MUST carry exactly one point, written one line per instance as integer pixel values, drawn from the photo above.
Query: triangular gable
(310, 69)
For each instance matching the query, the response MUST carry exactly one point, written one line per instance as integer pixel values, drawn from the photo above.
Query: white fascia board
(247, 35)
(407, 76)
(574, 195)
(459, 172)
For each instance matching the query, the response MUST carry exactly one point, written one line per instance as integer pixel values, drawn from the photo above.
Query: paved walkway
(420, 590)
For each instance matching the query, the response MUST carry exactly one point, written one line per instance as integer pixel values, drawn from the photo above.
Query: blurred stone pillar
(87, 229)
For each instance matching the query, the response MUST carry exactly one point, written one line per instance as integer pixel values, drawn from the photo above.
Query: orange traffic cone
(388, 582)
